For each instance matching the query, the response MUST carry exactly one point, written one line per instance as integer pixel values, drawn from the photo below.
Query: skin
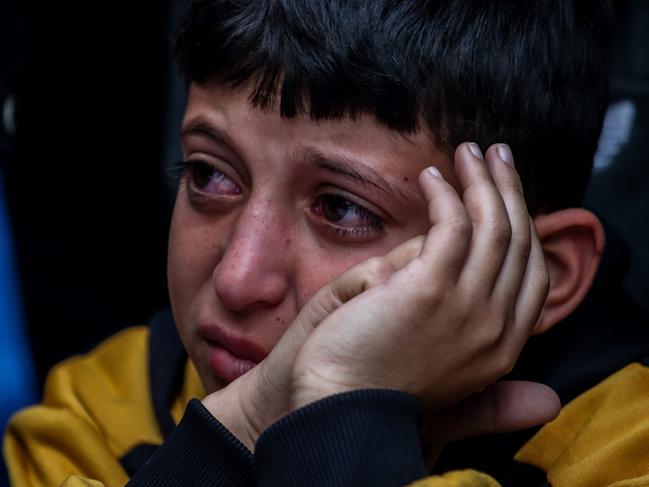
(436, 300)
(251, 265)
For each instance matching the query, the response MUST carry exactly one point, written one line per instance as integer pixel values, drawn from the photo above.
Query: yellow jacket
(98, 413)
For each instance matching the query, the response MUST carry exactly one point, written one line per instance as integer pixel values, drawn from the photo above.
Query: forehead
(251, 132)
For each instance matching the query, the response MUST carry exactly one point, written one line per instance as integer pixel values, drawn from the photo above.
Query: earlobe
(573, 243)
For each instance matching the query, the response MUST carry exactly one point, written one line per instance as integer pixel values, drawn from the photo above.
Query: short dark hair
(532, 73)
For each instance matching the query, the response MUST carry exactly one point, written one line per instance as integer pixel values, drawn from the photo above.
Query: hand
(502, 407)
(257, 399)
(454, 319)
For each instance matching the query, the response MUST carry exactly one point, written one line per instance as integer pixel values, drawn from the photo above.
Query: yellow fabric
(81, 482)
(460, 478)
(599, 439)
(97, 407)
(192, 387)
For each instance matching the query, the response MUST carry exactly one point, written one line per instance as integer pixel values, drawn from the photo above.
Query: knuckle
(415, 246)
(430, 295)
(503, 364)
(495, 325)
(376, 271)
(492, 336)
(490, 333)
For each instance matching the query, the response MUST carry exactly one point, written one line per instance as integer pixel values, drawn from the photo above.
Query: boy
(309, 136)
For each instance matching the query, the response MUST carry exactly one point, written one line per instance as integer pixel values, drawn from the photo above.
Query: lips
(230, 356)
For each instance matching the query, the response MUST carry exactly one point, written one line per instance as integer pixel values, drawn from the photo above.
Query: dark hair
(532, 73)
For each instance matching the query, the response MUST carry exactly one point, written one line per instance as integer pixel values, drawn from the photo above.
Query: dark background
(85, 183)
(98, 105)
(97, 109)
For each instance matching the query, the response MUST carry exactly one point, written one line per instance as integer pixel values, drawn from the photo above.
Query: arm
(200, 451)
(363, 336)
(248, 406)
(364, 437)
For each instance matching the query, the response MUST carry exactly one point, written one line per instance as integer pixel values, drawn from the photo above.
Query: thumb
(502, 407)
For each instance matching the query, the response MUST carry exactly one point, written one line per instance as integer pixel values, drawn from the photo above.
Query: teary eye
(202, 174)
(334, 208)
(346, 218)
(208, 179)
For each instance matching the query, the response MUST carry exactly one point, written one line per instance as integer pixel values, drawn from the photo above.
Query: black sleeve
(199, 452)
(366, 437)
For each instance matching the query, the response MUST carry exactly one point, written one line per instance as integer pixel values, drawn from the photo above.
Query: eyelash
(181, 167)
(178, 168)
(371, 221)
(192, 166)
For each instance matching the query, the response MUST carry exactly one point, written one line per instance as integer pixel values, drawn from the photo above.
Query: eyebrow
(341, 165)
(352, 169)
(198, 127)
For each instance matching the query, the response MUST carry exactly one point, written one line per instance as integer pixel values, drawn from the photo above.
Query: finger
(488, 215)
(367, 274)
(501, 164)
(503, 407)
(446, 243)
(404, 253)
(534, 288)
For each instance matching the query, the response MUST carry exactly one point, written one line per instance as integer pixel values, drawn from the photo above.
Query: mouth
(229, 356)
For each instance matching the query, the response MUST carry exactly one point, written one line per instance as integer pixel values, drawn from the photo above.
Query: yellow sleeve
(44, 445)
(600, 438)
(81, 482)
(459, 478)
(95, 409)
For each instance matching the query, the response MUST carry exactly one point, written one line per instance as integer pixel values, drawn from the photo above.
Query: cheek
(192, 254)
(324, 267)
(314, 278)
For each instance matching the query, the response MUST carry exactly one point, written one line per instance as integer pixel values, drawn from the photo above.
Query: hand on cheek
(441, 317)
(453, 319)
(257, 399)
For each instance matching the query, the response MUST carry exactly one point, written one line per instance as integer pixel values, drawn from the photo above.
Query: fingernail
(505, 154)
(475, 150)
(433, 171)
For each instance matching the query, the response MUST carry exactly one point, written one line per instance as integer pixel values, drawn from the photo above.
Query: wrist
(308, 389)
(225, 406)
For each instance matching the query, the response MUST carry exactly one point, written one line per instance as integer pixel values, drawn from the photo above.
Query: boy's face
(270, 211)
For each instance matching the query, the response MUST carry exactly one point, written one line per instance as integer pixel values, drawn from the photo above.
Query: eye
(346, 218)
(208, 179)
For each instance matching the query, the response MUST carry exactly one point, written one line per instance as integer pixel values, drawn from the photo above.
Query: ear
(573, 243)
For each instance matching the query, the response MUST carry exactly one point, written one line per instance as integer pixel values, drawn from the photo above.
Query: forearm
(365, 437)
(199, 452)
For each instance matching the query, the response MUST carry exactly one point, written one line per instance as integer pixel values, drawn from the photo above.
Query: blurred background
(90, 105)
(90, 109)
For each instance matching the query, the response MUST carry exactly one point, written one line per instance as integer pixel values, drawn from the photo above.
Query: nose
(255, 268)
